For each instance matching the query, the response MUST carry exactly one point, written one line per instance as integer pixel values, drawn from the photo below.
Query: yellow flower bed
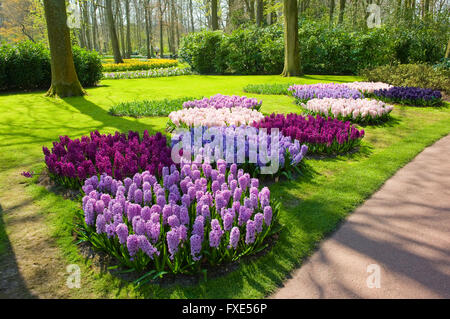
(135, 64)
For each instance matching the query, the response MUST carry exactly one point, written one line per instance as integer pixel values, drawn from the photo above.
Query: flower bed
(135, 64)
(250, 148)
(368, 87)
(155, 73)
(355, 110)
(304, 93)
(219, 101)
(197, 216)
(410, 96)
(69, 161)
(209, 117)
(321, 135)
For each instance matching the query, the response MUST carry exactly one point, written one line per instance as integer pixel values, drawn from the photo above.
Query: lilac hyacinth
(173, 221)
(215, 234)
(153, 230)
(133, 244)
(173, 240)
(323, 90)
(250, 234)
(146, 229)
(147, 247)
(100, 224)
(122, 233)
(196, 247)
(227, 221)
(234, 237)
(259, 219)
(267, 215)
(224, 101)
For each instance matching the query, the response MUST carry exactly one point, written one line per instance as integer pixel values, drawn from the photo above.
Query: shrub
(26, 66)
(136, 64)
(303, 93)
(255, 51)
(321, 135)
(204, 51)
(88, 66)
(324, 50)
(410, 96)
(355, 110)
(414, 75)
(148, 107)
(70, 161)
(272, 89)
(180, 225)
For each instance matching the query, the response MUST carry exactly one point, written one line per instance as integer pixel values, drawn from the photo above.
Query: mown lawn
(313, 206)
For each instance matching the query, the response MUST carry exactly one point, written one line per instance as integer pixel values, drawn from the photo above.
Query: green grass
(149, 107)
(268, 89)
(312, 207)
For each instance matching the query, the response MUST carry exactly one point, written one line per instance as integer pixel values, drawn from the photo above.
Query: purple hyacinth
(173, 240)
(100, 224)
(267, 215)
(227, 221)
(259, 219)
(196, 247)
(250, 232)
(234, 237)
(146, 247)
(122, 233)
(133, 244)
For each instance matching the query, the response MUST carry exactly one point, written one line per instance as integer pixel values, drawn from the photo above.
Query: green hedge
(323, 50)
(417, 75)
(26, 66)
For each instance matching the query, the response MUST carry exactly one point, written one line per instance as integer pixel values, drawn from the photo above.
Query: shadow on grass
(100, 115)
(12, 284)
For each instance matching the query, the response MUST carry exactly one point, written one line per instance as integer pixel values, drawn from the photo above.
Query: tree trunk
(191, 15)
(127, 16)
(121, 29)
(87, 25)
(147, 30)
(341, 11)
(291, 44)
(214, 17)
(332, 6)
(64, 77)
(161, 39)
(112, 32)
(447, 52)
(259, 12)
(95, 27)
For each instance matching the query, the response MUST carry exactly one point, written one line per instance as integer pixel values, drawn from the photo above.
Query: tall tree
(127, 16)
(64, 77)
(112, 32)
(214, 16)
(259, 12)
(332, 6)
(291, 45)
(341, 11)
